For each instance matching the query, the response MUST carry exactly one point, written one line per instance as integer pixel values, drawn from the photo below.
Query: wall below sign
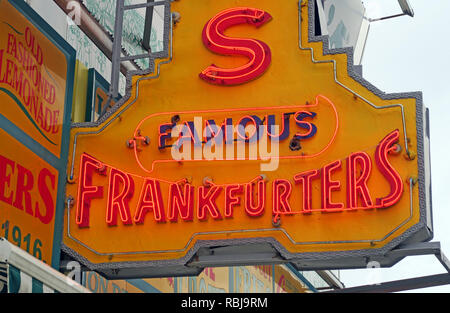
(239, 279)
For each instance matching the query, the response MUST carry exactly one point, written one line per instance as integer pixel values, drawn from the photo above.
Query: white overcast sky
(412, 54)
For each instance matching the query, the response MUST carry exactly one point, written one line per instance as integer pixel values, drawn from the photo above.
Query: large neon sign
(301, 156)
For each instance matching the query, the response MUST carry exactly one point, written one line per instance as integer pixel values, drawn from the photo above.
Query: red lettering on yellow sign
(22, 68)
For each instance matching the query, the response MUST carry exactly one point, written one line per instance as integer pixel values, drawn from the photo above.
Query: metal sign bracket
(423, 248)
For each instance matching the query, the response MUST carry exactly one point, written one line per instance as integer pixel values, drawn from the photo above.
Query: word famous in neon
(248, 129)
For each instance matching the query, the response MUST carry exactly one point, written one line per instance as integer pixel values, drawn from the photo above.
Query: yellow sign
(28, 190)
(33, 73)
(36, 80)
(276, 143)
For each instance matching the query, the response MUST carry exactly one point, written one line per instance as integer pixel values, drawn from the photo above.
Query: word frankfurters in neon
(126, 204)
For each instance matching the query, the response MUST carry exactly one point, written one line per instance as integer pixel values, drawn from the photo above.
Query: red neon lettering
(208, 202)
(358, 186)
(250, 207)
(86, 191)
(230, 198)
(150, 200)
(120, 191)
(46, 196)
(256, 51)
(329, 185)
(181, 204)
(305, 179)
(391, 175)
(282, 190)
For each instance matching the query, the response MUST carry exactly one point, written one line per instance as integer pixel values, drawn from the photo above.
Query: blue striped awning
(15, 281)
(3, 278)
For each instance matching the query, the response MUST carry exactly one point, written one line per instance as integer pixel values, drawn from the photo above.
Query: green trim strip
(13, 279)
(13, 28)
(36, 286)
(24, 110)
(20, 282)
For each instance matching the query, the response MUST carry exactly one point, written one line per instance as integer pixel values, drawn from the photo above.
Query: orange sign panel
(276, 142)
(28, 190)
(33, 74)
(36, 78)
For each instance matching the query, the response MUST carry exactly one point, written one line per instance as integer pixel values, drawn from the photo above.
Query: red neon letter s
(231, 198)
(207, 202)
(282, 190)
(257, 51)
(392, 176)
(250, 207)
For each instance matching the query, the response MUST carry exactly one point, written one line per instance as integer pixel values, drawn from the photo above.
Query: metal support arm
(424, 248)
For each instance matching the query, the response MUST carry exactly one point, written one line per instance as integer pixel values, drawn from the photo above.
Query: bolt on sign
(36, 78)
(250, 133)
